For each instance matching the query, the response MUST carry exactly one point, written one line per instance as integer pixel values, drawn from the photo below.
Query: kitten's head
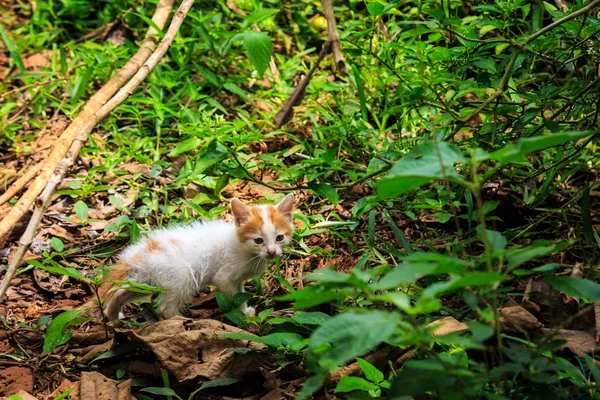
(264, 229)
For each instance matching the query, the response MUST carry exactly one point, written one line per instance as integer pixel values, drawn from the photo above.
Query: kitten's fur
(185, 259)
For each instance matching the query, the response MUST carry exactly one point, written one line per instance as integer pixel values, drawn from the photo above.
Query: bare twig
(334, 37)
(44, 199)
(287, 110)
(20, 183)
(63, 143)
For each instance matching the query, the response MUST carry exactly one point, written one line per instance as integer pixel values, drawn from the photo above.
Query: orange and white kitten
(184, 259)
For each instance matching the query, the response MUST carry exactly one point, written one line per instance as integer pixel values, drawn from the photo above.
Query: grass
(199, 130)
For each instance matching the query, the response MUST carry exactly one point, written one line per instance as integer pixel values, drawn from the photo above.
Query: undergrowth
(456, 162)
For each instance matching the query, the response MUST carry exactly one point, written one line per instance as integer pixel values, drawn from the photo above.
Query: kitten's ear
(240, 211)
(286, 206)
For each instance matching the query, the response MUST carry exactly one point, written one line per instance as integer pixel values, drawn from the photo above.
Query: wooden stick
(334, 37)
(21, 182)
(161, 14)
(287, 110)
(44, 199)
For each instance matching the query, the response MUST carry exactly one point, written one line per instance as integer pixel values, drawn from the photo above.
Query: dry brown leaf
(447, 325)
(21, 394)
(93, 351)
(193, 348)
(14, 379)
(64, 386)
(95, 386)
(513, 319)
(579, 342)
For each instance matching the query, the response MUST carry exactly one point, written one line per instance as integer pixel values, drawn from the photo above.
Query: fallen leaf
(447, 325)
(579, 342)
(193, 348)
(15, 379)
(23, 395)
(513, 319)
(95, 386)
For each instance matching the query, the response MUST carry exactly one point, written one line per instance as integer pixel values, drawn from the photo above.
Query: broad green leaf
(12, 50)
(310, 318)
(240, 298)
(81, 84)
(541, 248)
(224, 302)
(259, 48)
(419, 376)
(219, 382)
(405, 272)
(421, 165)
(347, 335)
(57, 244)
(495, 239)
(371, 372)
(325, 190)
(292, 341)
(514, 153)
(56, 332)
(81, 210)
(162, 391)
(576, 287)
(57, 269)
(185, 146)
(351, 383)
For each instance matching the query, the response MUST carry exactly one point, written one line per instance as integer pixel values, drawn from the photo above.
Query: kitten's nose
(271, 252)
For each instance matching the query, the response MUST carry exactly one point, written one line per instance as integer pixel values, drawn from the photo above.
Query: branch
(45, 198)
(334, 37)
(161, 14)
(287, 110)
(21, 182)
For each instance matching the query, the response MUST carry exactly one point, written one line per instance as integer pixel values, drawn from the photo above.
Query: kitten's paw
(250, 311)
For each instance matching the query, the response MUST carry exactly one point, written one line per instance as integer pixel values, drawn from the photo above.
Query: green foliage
(455, 161)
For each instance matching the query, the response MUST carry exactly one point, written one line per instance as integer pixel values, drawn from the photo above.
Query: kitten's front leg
(230, 289)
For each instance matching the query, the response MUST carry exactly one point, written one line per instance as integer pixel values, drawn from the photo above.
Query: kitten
(184, 259)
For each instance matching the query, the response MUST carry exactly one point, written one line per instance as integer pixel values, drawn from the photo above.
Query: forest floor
(139, 171)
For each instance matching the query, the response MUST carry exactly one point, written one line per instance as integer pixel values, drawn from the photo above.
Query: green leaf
(81, 210)
(240, 298)
(519, 256)
(576, 287)
(371, 372)
(219, 382)
(351, 383)
(81, 84)
(57, 244)
(12, 50)
(311, 296)
(375, 8)
(63, 395)
(224, 302)
(514, 153)
(419, 376)
(185, 146)
(292, 341)
(124, 349)
(57, 269)
(237, 317)
(235, 90)
(347, 335)
(406, 272)
(495, 239)
(325, 190)
(421, 165)
(162, 391)
(264, 314)
(310, 318)
(55, 333)
(259, 48)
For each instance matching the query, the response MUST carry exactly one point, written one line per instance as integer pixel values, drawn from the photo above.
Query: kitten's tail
(119, 272)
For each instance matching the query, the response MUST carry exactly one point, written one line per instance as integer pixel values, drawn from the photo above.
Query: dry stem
(21, 182)
(63, 143)
(44, 199)
(334, 37)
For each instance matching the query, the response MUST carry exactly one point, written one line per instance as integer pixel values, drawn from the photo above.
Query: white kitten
(185, 259)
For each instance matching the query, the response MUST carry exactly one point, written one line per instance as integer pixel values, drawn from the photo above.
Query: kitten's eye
(279, 238)
(258, 241)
